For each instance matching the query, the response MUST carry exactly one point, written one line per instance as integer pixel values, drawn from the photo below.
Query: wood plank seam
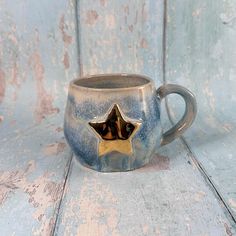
(193, 157)
(80, 73)
(57, 209)
(208, 179)
(78, 36)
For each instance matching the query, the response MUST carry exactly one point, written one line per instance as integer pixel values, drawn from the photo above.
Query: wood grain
(121, 36)
(167, 197)
(201, 55)
(37, 59)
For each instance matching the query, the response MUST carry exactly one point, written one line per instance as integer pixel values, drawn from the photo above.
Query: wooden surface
(43, 190)
(201, 54)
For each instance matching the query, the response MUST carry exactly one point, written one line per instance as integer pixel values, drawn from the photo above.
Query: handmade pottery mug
(112, 122)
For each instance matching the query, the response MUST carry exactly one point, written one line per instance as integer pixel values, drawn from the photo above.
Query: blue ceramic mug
(112, 122)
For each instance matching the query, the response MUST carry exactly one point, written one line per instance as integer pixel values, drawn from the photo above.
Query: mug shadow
(158, 163)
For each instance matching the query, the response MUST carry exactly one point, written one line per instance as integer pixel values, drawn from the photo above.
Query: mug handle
(189, 115)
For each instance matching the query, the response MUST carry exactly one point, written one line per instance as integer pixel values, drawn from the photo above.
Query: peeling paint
(232, 202)
(101, 220)
(54, 149)
(93, 217)
(42, 193)
(228, 230)
(143, 43)
(12, 180)
(227, 19)
(144, 12)
(2, 85)
(131, 28)
(59, 129)
(14, 75)
(46, 227)
(197, 12)
(110, 21)
(210, 95)
(126, 9)
(44, 104)
(13, 38)
(67, 39)
(103, 2)
(199, 196)
(66, 60)
(91, 17)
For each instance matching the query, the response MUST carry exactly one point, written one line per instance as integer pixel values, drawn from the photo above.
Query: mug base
(105, 168)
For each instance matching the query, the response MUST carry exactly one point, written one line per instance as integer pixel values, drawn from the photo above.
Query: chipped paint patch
(232, 203)
(44, 104)
(102, 220)
(103, 2)
(144, 12)
(14, 75)
(145, 229)
(199, 196)
(12, 180)
(91, 17)
(59, 129)
(2, 85)
(92, 218)
(228, 127)
(110, 21)
(67, 39)
(143, 43)
(66, 60)
(227, 19)
(228, 230)
(210, 95)
(197, 12)
(1, 119)
(46, 227)
(42, 193)
(54, 149)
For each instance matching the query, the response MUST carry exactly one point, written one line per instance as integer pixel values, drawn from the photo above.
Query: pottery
(112, 122)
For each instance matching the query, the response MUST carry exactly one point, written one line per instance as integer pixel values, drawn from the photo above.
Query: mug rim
(149, 82)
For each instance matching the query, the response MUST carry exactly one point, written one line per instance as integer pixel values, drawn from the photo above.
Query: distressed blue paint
(201, 55)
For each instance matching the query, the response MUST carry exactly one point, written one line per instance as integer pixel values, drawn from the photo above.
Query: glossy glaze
(137, 104)
(112, 122)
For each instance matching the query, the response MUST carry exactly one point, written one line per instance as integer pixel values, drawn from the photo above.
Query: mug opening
(112, 81)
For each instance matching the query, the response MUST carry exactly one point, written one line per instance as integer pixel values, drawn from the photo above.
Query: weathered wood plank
(32, 172)
(37, 59)
(167, 197)
(121, 36)
(201, 55)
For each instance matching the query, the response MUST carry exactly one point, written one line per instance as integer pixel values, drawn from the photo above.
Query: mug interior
(116, 81)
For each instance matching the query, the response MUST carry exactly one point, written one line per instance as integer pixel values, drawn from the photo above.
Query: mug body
(112, 122)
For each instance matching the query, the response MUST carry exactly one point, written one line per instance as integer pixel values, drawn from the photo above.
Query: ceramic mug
(112, 122)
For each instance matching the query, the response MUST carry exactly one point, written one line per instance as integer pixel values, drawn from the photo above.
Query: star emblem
(115, 133)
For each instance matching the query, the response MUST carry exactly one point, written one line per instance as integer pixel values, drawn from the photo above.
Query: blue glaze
(137, 104)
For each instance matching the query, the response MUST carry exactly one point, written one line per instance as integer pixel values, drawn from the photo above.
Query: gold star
(115, 133)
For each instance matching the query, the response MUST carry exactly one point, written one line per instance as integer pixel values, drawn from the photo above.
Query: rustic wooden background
(190, 186)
